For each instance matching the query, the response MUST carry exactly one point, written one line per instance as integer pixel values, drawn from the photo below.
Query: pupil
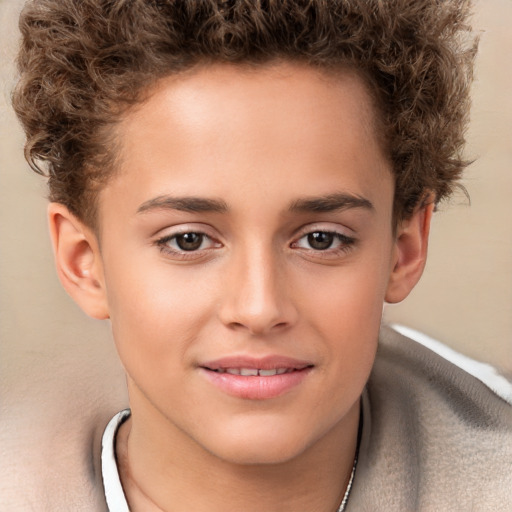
(320, 240)
(189, 241)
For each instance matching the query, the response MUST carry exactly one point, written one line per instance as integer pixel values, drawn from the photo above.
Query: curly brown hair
(83, 63)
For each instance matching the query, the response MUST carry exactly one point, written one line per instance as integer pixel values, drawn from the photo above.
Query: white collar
(114, 494)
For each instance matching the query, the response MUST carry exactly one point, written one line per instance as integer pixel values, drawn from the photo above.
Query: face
(246, 248)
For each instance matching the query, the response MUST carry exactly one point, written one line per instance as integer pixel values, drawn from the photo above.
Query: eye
(187, 242)
(320, 240)
(324, 241)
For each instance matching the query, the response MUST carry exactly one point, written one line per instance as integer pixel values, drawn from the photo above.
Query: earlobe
(410, 253)
(78, 261)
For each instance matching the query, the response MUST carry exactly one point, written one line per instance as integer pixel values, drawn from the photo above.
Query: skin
(268, 145)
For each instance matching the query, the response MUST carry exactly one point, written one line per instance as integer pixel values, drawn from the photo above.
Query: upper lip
(260, 363)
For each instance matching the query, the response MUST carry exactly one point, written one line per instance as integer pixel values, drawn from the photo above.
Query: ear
(78, 261)
(410, 254)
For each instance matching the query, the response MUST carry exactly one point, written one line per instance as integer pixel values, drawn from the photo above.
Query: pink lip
(256, 387)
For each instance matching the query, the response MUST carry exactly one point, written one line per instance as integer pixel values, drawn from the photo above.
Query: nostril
(257, 329)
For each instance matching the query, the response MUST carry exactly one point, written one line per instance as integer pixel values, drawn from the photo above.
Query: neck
(173, 474)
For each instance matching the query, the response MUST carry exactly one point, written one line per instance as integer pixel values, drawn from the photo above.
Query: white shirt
(114, 493)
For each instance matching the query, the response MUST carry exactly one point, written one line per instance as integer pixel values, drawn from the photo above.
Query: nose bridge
(256, 297)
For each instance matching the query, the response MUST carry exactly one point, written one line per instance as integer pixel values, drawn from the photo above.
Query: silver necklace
(344, 501)
(349, 486)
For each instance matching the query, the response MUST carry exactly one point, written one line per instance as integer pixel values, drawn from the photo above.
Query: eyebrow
(322, 204)
(184, 204)
(331, 203)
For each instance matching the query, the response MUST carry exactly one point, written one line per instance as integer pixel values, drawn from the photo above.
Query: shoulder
(435, 437)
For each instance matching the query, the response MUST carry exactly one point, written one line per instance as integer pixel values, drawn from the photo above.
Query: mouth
(255, 372)
(256, 379)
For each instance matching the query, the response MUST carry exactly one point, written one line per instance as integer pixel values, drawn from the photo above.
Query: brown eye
(320, 240)
(189, 241)
(325, 243)
(188, 245)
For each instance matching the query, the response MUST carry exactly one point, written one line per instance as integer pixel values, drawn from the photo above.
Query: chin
(254, 445)
(251, 455)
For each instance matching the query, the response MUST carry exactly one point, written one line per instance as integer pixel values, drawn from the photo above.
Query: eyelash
(345, 243)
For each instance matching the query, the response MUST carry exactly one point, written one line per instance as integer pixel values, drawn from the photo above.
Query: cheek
(347, 297)
(155, 311)
(344, 308)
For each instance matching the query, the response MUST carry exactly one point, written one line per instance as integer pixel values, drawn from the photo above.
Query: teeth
(253, 372)
(267, 373)
(247, 372)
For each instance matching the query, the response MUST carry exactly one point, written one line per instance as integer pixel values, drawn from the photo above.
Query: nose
(256, 296)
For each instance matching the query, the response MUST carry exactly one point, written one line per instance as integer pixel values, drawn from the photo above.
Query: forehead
(257, 96)
(215, 129)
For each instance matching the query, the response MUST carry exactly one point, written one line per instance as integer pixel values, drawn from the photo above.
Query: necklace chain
(349, 487)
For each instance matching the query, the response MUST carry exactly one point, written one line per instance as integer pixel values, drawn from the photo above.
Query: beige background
(49, 348)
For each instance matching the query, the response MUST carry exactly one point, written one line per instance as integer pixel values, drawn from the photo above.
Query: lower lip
(256, 387)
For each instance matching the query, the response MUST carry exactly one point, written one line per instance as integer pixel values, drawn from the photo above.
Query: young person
(239, 186)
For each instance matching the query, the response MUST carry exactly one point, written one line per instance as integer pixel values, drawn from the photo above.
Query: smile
(254, 372)
(256, 379)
